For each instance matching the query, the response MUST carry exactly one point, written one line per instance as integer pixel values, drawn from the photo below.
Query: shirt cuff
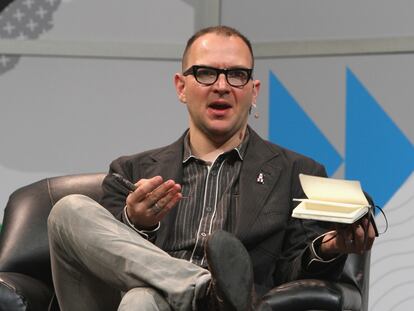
(314, 257)
(147, 234)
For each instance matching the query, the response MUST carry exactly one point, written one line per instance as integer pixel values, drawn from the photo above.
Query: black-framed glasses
(206, 75)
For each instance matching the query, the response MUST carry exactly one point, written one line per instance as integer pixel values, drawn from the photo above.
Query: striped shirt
(210, 201)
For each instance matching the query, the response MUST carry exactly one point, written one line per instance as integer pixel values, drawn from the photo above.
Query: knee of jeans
(65, 208)
(139, 297)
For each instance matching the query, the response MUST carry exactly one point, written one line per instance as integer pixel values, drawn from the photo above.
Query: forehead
(219, 51)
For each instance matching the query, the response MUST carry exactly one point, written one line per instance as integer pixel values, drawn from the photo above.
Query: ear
(255, 91)
(179, 82)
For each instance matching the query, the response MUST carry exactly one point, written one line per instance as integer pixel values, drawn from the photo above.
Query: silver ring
(349, 242)
(156, 208)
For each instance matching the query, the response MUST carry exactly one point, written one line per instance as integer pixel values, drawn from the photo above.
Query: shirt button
(203, 234)
(208, 209)
(214, 172)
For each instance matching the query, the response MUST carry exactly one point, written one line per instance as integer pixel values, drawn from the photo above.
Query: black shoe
(231, 287)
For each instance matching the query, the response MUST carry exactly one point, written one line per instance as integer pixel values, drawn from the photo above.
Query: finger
(168, 201)
(174, 200)
(330, 243)
(369, 233)
(342, 229)
(159, 193)
(371, 237)
(349, 244)
(346, 239)
(141, 182)
(164, 201)
(359, 239)
(176, 196)
(340, 239)
(145, 186)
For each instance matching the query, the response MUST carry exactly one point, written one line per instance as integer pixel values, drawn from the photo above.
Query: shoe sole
(229, 263)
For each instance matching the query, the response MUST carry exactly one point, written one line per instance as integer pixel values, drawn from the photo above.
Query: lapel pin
(260, 178)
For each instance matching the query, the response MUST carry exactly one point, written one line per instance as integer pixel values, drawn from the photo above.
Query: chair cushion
(312, 294)
(19, 292)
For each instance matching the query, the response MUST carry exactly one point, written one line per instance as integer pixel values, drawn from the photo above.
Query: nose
(221, 83)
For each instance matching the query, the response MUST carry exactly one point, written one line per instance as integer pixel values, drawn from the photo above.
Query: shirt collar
(240, 150)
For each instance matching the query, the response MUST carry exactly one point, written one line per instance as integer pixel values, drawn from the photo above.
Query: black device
(371, 219)
(124, 182)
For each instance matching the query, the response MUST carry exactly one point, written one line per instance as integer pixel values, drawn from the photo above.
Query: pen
(121, 180)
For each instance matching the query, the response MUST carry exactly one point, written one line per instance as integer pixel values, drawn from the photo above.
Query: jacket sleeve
(114, 195)
(297, 259)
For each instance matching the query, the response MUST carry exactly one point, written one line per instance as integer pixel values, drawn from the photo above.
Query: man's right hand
(151, 201)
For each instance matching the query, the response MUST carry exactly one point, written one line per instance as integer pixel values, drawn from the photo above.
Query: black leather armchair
(25, 275)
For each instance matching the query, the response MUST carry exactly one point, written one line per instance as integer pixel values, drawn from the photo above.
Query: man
(165, 249)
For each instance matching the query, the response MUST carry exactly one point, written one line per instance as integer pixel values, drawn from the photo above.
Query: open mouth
(219, 106)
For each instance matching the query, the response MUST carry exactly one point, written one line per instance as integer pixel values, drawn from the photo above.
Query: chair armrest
(19, 292)
(312, 294)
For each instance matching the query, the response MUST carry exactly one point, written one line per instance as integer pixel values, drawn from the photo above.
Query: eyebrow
(231, 67)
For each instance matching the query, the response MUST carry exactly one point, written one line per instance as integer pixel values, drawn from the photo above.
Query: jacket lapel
(259, 175)
(167, 162)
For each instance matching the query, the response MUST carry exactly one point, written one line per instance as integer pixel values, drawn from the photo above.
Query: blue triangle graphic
(377, 152)
(291, 127)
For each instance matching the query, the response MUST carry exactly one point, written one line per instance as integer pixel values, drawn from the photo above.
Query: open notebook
(329, 199)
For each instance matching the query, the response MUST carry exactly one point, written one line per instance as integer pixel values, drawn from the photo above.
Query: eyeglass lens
(235, 77)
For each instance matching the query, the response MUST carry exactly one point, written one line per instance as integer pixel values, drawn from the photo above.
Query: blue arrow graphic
(292, 128)
(377, 152)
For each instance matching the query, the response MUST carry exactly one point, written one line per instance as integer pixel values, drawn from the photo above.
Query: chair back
(356, 271)
(24, 246)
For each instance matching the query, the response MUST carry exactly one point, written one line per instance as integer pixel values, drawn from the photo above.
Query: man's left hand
(355, 238)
